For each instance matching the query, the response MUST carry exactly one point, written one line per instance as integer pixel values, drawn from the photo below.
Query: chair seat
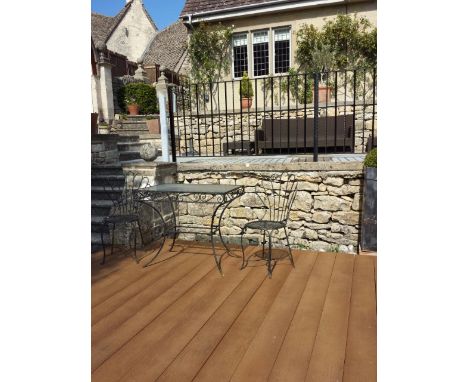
(265, 225)
(116, 219)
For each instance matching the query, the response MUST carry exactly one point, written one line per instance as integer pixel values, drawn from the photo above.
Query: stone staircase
(101, 202)
(132, 134)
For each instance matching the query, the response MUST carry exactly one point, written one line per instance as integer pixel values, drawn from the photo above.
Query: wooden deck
(180, 320)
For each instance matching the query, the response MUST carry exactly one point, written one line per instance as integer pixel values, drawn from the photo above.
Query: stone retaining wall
(104, 149)
(325, 215)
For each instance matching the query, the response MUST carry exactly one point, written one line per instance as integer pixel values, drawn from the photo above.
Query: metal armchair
(125, 210)
(277, 195)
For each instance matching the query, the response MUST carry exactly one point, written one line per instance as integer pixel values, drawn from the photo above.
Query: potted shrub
(369, 205)
(132, 106)
(138, 98)
(246, 91)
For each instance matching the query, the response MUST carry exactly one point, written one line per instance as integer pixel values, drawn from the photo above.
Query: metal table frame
(218, 195)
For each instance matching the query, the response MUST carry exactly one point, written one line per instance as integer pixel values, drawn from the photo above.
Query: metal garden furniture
(125, 209)
(277, 194)
(219, 196)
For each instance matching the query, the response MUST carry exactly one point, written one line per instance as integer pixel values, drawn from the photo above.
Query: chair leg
(112, 244)
(139, 230)
(135, 245)
(243, 250)
(289, 248)
(103, 248)
(263, 245)
(270, 270)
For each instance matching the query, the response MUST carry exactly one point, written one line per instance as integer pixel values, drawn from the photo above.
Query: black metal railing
(298, 113)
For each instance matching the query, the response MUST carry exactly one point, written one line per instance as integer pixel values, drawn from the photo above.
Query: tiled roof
(168, 46)
(202, 6)
(103, 26)
(100, 27)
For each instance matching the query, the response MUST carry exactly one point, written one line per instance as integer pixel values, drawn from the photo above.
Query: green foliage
(209, 52)
(246, 88)
(144, 95)
(343, 43)
(371, 158)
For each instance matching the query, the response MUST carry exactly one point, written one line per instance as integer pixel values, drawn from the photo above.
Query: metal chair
(125, 209)
(277, 195)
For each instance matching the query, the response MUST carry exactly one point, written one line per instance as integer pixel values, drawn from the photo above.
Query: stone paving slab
(274, 159)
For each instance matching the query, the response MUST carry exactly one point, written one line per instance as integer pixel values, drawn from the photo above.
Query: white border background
(45, 157)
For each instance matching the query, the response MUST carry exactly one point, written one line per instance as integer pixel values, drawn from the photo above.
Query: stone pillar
(107, 95)
(161, 92)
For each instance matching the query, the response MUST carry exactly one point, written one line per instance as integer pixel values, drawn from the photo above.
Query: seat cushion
(265, 225)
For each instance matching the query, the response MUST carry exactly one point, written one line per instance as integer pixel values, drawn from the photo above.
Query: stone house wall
(325, 215)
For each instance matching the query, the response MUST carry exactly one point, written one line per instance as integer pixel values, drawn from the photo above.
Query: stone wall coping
(151, 165)
(268, 167)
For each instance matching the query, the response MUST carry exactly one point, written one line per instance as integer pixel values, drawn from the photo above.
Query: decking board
(180, 320)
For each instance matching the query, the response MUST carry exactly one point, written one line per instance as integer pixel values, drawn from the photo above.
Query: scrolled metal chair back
(277, 194)
(126, 201)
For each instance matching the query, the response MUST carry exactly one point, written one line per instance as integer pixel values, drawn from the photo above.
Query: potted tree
(369, 205)
(246, 90)
(323, 59)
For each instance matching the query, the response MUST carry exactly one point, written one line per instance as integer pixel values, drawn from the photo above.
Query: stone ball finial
(148, 152)
(140, 61)
(162, 68)
(101, 46)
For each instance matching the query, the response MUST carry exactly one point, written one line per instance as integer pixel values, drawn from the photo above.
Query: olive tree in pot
(246, 90)
(369, 205)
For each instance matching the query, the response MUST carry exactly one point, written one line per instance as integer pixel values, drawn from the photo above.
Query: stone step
(104, 180)
(101, 207)
(140, 117)
(107, 169)
(129, 155)
(96, 241)
(105, 193)
(129, 146)
(129, 138)
(126, 132)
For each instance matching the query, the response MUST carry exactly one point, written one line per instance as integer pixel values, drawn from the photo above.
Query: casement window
(282, 38)
(260, 53)
(240, 54)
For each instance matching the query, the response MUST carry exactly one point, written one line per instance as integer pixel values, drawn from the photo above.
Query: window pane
(240, 60)
(240, 54)
(282, 46)
(260, 53)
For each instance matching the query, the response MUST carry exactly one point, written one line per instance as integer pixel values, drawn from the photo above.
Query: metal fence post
(162, 94)
(316, 114)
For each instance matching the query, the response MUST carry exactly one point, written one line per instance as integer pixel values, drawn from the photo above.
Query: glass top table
(220, 196)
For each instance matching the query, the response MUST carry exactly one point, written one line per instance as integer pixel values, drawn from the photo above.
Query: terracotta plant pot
(153, 126)
(246, 103)
(133, 109)
(94, 124)
(325, 93)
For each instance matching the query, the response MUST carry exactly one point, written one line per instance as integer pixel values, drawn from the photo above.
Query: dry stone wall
(325, 215)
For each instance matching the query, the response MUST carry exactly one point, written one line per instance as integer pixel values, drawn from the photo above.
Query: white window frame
(268, 30)
(274, 48)
(247, 33)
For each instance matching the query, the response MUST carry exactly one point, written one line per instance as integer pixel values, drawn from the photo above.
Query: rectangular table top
(187, 188)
